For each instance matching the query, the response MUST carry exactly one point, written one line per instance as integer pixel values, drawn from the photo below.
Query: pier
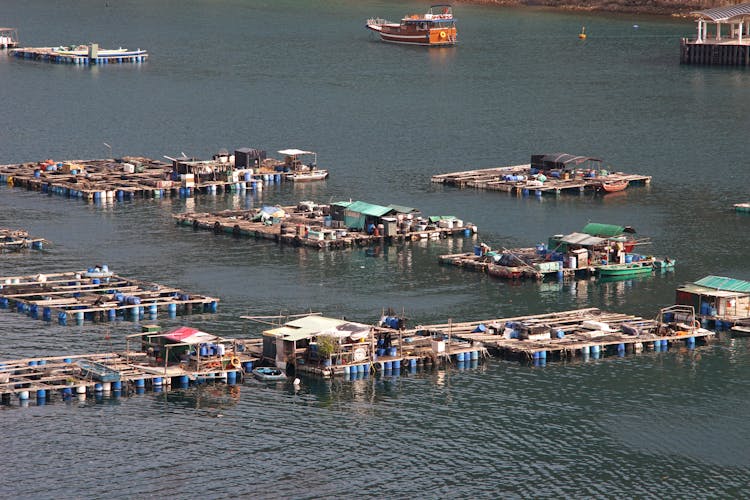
(95, 294)
(19, 239)
(323, 226)
(547, 174)
(577, 333)
(719, 48)
(83, 55)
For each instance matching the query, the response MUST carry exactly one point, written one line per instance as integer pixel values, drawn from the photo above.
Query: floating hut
(328, 347)
(81, 55)
(8, 38)
(338, 225)
(96, 294)
(578, 333)
(604, 250)
(546, 174)
(718, 300)
(19, 239)
(718, 47)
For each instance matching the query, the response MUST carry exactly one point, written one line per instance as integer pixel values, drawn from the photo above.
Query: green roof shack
(363, 216)
(717, 298)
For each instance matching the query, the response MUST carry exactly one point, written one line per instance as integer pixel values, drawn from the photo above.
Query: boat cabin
(293, 160)
(717, 297)
(594, 245)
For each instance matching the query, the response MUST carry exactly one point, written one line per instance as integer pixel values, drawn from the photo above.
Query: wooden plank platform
(520, 180)
(81, 55)
(571, 333)
(95, 295)
(110, 180)
(47, 378)
(300, 227)
(19, 239)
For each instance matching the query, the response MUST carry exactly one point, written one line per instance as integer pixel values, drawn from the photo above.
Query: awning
(369, 209)
(294, 152)
(583, 239)
(606, 230)
(723, 14)
(725, 284)
(187, 335)
(402, 209)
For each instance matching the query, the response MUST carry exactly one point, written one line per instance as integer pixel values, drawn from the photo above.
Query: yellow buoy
(582, 34)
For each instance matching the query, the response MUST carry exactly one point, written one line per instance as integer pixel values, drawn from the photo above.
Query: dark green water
(383, 118)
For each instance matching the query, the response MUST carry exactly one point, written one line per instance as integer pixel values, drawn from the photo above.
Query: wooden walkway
(95, 295)
(567, 334)
(518, 179)
(301, 228)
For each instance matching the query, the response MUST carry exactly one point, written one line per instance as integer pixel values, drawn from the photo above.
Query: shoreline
(664, 8)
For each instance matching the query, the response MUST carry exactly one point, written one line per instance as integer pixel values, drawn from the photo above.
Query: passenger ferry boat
(435, 28)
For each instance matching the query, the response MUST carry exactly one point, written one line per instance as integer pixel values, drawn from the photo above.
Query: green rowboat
(742, 207)
(633, 269)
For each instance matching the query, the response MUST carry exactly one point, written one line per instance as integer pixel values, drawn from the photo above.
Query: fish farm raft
(580, 333)
(81, 54)
(546, 174)
(18, 239)
(338, 225)
(96, 294)
(129, 177)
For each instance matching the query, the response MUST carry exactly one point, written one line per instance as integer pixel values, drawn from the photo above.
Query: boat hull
(268, 374)
(617, 270)
(613, 187)
(317, 176)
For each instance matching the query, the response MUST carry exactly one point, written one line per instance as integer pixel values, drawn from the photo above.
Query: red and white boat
(435, 28)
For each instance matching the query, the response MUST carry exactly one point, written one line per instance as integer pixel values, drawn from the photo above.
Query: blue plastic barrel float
(231, 377)
(388, 366)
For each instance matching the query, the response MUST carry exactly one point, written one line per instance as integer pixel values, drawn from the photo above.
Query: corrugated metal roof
(402, 209)
(605, 230)
(726, 284)
(725, 13)
(581, 239)
(707, 292)
(364, 208)
(342, 204)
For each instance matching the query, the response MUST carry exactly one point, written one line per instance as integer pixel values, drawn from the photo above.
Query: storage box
(438, 346)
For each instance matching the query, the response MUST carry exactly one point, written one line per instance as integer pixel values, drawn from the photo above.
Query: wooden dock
(83, 55)
(576, 333)
(19, 239)
(315, 229)
(109, 180)
(95, 294)
(521, 180)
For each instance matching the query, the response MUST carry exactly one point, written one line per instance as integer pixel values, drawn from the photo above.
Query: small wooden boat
(435, 28)
(298, 171)
(740, 331)
(632, 269)
(665, 264)
(313, 175)
(613, 186)
(742, 207)
(267, 374)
